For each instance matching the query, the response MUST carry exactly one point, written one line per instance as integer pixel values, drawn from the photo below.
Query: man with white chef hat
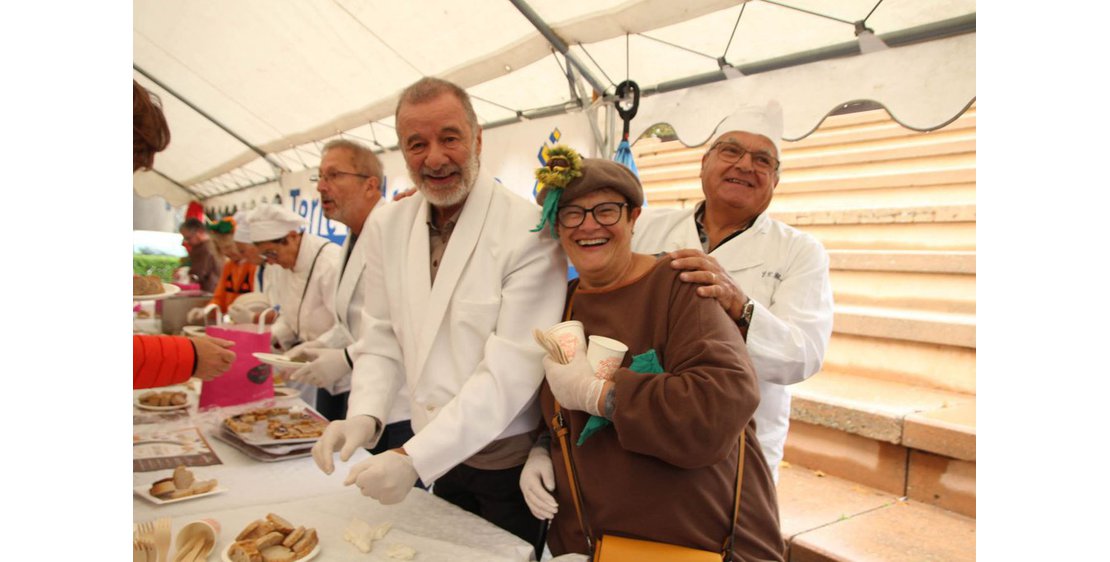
(304, 286)
(772, 279)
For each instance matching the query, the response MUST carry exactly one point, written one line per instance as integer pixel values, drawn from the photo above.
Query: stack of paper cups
(605, 356)
(570, 336)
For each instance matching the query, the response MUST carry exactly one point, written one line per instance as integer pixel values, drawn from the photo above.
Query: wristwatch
(746, 314)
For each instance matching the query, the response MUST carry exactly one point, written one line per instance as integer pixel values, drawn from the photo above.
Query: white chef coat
(305, 321)
(786, 272)
(462, 349)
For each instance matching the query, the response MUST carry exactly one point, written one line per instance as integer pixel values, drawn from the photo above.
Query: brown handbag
(614, 548)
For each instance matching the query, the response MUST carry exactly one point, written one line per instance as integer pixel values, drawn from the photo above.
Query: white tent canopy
(252, 88)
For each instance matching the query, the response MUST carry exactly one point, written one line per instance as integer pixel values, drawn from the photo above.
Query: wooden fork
(144, 551)
(162, 538)
(144, 530)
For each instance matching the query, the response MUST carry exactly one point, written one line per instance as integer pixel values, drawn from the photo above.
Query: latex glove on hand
(537, 482)
(574, 384)
(213, 357)
(387, 477)
(327, 366)
(300, 348)
(350, 434)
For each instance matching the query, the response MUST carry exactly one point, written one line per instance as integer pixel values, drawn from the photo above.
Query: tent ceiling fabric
(285, 77)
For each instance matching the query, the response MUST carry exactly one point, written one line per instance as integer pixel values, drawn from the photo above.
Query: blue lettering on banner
(313, 213)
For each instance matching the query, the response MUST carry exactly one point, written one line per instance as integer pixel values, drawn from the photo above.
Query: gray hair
(364, 159)
(429, 88)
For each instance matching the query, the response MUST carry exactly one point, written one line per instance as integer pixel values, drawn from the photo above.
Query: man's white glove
(327, 366)
(387, 477)
(350, 434)
(574, 384)
(300, 348)
(537, 481)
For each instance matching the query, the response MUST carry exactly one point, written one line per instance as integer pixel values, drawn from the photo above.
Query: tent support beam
(213, 120)
(557, 42)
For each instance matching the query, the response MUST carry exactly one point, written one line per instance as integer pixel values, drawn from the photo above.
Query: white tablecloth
(302, 494)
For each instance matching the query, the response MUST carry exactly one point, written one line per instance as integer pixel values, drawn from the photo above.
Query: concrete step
(937, 195)
(828, 519)
(941, 422)
(926, 291)
(929, 236)
(903, 261)
(933, 479)
(903, 362)
(946, 328)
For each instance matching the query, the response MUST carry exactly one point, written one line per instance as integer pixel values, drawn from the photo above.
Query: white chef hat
(242, 227)
(763, 120)
(270, 222)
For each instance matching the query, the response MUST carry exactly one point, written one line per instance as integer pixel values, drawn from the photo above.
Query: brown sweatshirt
(666, 469)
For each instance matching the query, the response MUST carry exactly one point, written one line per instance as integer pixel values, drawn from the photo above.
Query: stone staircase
(880, 458)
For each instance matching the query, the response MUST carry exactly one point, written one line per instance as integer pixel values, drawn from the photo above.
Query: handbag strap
(562, 430)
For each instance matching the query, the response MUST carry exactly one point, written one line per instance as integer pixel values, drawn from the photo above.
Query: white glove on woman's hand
(327, 366)
(387, 477)
(537, 482)
(350, 434)
(574, 384)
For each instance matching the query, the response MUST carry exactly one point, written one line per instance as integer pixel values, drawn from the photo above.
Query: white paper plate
(142, 406)
(226, 556)
(143, 491)
(279, 361)
(167, 291)
(286, 392)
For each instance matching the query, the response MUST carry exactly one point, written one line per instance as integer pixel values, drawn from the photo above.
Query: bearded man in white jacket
(772, 279)
(459, 284)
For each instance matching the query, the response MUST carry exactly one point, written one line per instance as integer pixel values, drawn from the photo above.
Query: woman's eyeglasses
(605, 214)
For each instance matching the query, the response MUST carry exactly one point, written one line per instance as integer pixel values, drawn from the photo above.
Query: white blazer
(463, 349)
(786, 272)
(350, 294)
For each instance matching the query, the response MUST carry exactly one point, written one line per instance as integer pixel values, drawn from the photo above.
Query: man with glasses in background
(304, 287)
(772, 279)
(350, 187)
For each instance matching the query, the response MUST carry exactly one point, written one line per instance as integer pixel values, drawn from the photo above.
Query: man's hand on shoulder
(703, 269)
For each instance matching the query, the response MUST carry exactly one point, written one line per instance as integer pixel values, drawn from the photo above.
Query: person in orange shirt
(238, 273)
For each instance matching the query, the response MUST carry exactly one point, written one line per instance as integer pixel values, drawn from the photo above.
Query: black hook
(626, 115)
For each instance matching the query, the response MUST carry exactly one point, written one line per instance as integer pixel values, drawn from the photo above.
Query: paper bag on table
(248, 379)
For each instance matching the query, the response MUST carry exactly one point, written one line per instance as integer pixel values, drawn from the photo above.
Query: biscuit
(280, 524)
(182, 478)
(292, 538)
(162, 488)
(306, 544)
(277, 553)
(270, 539)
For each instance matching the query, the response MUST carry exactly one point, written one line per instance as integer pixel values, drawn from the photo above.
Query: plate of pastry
(180, 486)
(162, 400)
(151, 288)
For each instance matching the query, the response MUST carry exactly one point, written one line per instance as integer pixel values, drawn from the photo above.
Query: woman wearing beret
(661, 456)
